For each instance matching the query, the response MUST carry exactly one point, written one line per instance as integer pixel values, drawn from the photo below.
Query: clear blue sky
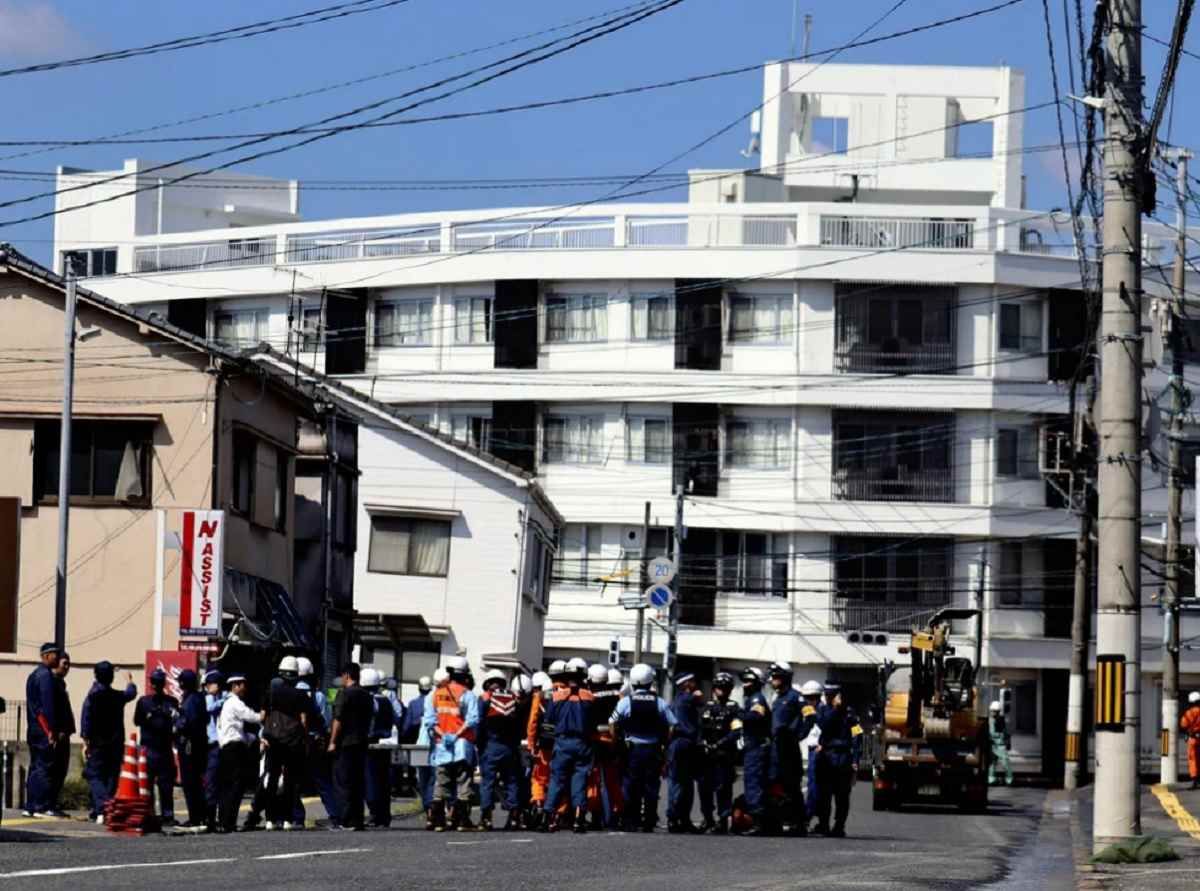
(623, 135)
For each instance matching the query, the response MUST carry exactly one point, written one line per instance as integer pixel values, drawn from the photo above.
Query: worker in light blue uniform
(684, 754)
(643, 720)
(571, 712)
(756, 749)
(378, 782)
(451, 722)
(102, 728)
(838, 754)
(787, 804)
(214, 698)
(40, 732)
(319, 761)
(810, 712)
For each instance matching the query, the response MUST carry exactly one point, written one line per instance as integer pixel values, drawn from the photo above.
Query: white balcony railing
(205, 254)
(534, 235)
(327, 246)
(898, 232)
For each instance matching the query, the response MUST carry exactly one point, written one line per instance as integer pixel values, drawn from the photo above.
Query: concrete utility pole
(643, 584)
(1075, 772)
(1119, 626)
(64, 456)
(673, 613)
(1170, 678)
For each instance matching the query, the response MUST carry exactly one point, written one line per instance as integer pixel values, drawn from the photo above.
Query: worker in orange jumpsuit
(1190, 724)
(539, 736)
(604, 782)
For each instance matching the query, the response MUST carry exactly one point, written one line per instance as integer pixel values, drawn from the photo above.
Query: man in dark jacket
(40, 733)
(155, 715)
(64, 717)
(102, 727)
(191, 741)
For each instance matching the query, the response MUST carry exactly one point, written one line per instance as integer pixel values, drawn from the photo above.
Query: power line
(254, 29)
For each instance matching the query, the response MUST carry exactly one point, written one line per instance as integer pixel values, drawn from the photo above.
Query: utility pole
(673, 613)
(64, 455)
(1119, 626)
(1170, 677)
(643, 584)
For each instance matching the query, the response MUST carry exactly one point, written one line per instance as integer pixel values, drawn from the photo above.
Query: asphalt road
(1021, 843)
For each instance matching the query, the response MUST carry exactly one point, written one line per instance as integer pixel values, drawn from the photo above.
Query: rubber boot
(513, 821)
(462, 817)
(708, 825)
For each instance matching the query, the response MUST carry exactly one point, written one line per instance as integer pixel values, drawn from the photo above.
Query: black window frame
(243, 440)
(83, 434)
(105, 257)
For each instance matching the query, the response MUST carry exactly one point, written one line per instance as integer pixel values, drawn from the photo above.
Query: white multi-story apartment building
(856, 361)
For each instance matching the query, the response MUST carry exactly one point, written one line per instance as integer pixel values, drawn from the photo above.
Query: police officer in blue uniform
(102, 727)
(378, 780)
(838, 756)
(155, 714)
(191, 741)
(214, 698)
(643, 720)
(786, 764)
(756, 749)
(41, 732)
(720, 723)
(683, 754)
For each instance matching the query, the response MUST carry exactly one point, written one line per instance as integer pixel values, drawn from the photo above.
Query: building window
(1017, 453)
(648, 441)
(281, 489)
(110, 462)
(890, 584)
(241, 328)
(311, 329)
(474, 431)
(753, 563)
(760, 319)
(758, 442)
(91, 263)
(539, 560)
(403, 323)
(1008, 580)
(1023, 718)
(1021, 327)
(578, 560)
(473, 320)
(245, 465)
(403, 546)
(653, 317)
(577, 318)
(830, 136)
(573, 439)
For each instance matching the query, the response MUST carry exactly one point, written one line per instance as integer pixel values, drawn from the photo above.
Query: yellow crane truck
(931, 744)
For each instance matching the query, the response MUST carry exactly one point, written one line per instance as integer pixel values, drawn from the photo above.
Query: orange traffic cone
(130, 810)
(143, 779)
(127, 787)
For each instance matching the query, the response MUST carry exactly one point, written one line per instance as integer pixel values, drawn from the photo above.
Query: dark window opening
(893, 457)
(91, 263)
(110, 462)
(890, 584)
(245, 464)
(895, 328)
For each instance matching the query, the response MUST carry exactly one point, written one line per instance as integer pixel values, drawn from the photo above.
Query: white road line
(105, 867)
(521, 841)
(298, 854)
(464, 843)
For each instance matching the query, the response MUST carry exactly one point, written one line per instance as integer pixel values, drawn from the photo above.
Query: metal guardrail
(893, 484)
(854, 614)
(594, 232)
(230, 253)
(933, 233)
(323, 247)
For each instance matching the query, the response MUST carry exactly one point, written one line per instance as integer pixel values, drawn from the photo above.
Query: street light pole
(64, 456)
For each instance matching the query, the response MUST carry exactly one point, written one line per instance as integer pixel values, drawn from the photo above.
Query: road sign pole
(641, 613)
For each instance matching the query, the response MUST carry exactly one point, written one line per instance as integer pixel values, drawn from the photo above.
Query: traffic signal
(668, 662)
(867, 638)
(614, 651)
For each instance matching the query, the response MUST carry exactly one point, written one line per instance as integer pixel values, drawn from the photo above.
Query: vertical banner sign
(201, 571)
(1110, 693)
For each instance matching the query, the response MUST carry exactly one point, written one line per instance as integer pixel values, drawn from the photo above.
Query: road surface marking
(464, 843)
(105, 867)
(521, 841)
(298, 854)
(1176, 811)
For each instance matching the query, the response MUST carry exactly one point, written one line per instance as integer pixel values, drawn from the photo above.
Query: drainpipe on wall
(516, 635)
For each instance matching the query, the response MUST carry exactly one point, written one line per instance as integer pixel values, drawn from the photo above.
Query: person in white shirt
(235, 742)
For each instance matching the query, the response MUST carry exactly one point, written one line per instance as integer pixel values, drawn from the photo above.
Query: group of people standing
(578, 747)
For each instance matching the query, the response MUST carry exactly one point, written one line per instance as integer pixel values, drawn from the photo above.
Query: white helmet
(994, 707)
(369, 678)
(577, 666)
(540, 680)
(597, 674)
(494, 674)
(558, 666)
(289, 665)
(615, 677)
(457, 665)
(424, 683)
(440, 676)
(812, 688)
(522, 684)
(641, 675)
(305, 666)
(1193, 697)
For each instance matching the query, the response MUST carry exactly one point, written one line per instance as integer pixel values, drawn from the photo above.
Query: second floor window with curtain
(573, 439)
(760, 318)
(473, 320)
(404, 323)
(1021, 326)
(576, 318)
(758, 442)
(653, 317)
(649, 441)
(241, 328)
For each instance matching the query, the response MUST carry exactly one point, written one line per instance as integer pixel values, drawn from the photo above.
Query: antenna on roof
(807, 34)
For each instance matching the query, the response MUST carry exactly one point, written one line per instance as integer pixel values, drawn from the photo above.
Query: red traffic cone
(127, 787)
(143, 775)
